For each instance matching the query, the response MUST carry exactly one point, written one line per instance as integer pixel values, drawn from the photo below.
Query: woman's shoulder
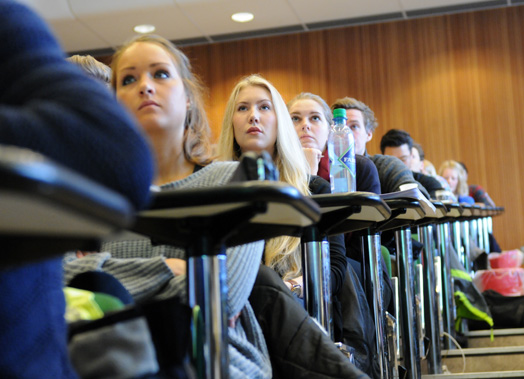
(212, 175)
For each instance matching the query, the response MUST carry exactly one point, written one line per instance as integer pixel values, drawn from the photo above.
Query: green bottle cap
(339, 112)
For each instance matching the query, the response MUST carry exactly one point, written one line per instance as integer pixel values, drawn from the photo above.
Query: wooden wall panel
(456, 83)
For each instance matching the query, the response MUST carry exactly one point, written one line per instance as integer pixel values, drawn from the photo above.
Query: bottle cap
(339, 112)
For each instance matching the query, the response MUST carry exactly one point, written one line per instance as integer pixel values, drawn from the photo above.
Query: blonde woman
(153, 79)
(257, 119)
(455, 175)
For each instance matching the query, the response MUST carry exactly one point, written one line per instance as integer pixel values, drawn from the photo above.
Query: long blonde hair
(282, 253)
(462, 185)
(197, 135)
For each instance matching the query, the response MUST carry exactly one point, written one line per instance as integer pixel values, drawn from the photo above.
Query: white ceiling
(91, 25)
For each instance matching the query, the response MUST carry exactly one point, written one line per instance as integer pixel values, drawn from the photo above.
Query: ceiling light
(242, 17)
(144, 28)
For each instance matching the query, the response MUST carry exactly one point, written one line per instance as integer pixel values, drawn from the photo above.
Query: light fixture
(144, 28)
(242, 17)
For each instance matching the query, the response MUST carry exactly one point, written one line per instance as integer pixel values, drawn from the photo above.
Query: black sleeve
(367, 175)
(431, 184)
(50, 106)
(337, 250)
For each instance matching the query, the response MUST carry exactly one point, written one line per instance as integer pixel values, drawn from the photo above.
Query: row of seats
(63, 211)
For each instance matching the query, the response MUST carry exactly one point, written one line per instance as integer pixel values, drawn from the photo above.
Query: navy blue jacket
(51, 107)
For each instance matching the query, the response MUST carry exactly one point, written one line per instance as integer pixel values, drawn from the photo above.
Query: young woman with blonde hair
(256, 119)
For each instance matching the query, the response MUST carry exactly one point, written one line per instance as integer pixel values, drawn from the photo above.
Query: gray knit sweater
(141, 268)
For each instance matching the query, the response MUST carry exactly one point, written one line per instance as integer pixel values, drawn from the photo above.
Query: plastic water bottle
(341, 150)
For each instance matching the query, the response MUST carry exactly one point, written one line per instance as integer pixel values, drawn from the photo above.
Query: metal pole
(407, 300)
(207, 289)
(447, 289)
(374, 265)
(457, 241)
(485, 232)
(317, 282)
(467, 247)
(434, 357)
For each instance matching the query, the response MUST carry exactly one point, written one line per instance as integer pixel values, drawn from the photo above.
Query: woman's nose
(254, 117)
(305, 125)
(146, 87)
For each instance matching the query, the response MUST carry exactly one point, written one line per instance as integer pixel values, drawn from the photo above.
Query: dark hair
(418, 146)
(395, 138)
(464, 166)
(370, 122)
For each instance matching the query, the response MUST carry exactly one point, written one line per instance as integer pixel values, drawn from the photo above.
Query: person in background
(312, 117)
(153, 79)
(49, 106)
(256, 119)
(455, 175)
(417, 157)
(418, 164)
(398, 143)
(362, 122)
(478, 193)
(92, 67)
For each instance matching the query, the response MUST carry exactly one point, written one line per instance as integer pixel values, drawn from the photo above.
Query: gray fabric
(255, 352)
(142, 270)
(393, 173)
(128, 351)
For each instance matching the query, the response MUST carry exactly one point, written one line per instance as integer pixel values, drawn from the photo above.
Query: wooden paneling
(456, 83)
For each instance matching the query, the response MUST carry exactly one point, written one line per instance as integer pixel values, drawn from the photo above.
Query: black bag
(358, 326)
(507, 311)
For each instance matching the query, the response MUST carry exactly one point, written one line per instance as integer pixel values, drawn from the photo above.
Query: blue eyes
(315, 119)
(159, 74)
(242, 108)
(127, 80)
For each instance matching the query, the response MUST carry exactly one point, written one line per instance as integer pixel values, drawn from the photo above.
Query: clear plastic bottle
(341, 150)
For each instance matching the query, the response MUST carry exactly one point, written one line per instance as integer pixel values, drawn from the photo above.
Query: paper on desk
(413, 194)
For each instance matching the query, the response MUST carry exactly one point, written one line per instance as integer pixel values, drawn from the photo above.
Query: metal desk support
(183, 217)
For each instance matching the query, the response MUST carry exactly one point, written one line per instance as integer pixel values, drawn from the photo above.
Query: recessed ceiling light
(144, 28)
(242, 17)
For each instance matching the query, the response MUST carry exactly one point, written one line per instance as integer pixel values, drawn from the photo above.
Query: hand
(313, 157)
(177, 266)
(81, 254)
(296, 286)
(233, 320)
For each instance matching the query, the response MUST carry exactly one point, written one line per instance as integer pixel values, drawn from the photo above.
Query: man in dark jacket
(398, 143)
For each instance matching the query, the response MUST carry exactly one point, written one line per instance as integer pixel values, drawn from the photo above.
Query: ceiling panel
(96, 7)
(87, 25)
(50, 9)
(311, 11)
(117, 27)
(425, 4)
(214, 17)
(74, 36)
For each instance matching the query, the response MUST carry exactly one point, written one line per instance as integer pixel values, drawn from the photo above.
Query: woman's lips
(254, 130)
(147, 104)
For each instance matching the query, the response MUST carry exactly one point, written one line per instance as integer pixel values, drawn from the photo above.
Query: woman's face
(255, 120)
(310, 123)
(149, 85)
(451, 176)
